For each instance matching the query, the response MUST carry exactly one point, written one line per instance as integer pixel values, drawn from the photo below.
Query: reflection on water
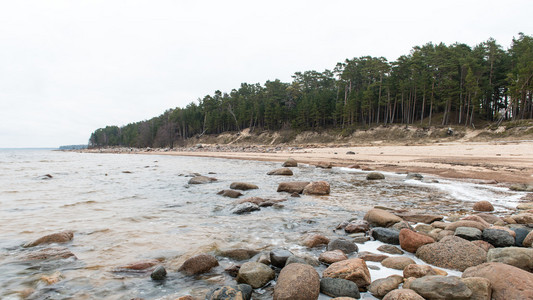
(126, 208)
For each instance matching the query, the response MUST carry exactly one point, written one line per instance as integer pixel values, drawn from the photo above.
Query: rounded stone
(411, 241)
(159, 273)
(354, 269)
(330, 257)
(255, 274)
(375, 176)
(297, 282)
(381, 287)
(386, 235)
(198, 264)
(397, 262)
(483, 206)
(343, 245)
(337, 287)
(278, 257)
(403, 294)
(498, 237)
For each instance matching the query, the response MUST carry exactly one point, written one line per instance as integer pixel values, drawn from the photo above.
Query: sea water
(125, 208)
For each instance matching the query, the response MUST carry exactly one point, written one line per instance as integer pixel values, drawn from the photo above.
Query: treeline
(458, 83)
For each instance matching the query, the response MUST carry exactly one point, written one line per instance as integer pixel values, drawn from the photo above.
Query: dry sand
(510, 162)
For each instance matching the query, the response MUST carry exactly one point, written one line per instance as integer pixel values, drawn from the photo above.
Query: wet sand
(505, 162)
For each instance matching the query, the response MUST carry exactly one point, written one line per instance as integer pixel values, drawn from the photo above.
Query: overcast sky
(70, 67)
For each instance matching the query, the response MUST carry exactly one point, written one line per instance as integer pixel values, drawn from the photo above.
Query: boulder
(410, 241)
(50, 254)
(245, 208)
(317, 188)
(523, 218)
(381, 287)
(357, 227)
(281, 172)
(375, 176)
(237, 254)
(315, 240)
(419, 218)
(528, 240)
(480, 287)
(507, 282)
(483, 206)
(525, 206)
(198, 264)
(417, 271)
(255, 274)
(389, 249)
(369, 256)
(324, 165)
(60, 237)
(403, 294)
(337, 287)
(297, 282)
(230, 193)
(386, 235)
(308, 260)
(292, 187)
(201, 180)
(381, 218)
(160, 273)
(290, 163)
(397, 262)
(498, 237)
(243, 186)
(520, 235)
(238, 292)
(414, 176)
(343, 245)
(491, 219)
(278, 257)
(440, 287)
(519, 257)
(330, 257)
(468, 233)
(466, 223)
(353, 269)
(452, 253)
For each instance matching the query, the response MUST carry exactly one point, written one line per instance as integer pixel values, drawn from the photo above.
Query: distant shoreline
(490, 162)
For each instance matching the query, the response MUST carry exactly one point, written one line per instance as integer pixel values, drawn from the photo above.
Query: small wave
(80, 203)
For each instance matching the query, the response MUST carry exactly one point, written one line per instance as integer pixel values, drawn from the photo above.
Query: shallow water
(125, 208)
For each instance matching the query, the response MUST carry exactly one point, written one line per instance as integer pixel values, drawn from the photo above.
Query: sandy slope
(492, 161)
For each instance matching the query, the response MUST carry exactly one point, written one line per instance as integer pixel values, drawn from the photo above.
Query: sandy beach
(495, 162)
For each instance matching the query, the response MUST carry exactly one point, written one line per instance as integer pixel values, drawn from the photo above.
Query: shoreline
(491, 162)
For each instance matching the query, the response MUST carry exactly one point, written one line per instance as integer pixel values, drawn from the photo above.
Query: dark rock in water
(238, 292)
(317, 188)
(232, 270)
(414, 176)
(381, 287)
(515, 256)
(278, 257)
(281, 172)
(390, 249)
(243, 186)
(343, 245)
(255, 274)
(386, 235)
(244, 208)
(468, 233)
(507, 282)
(60, 237)
(47, 176)
(296, 195)
(159, 273)
(337, 287)
(230, 193)
(292, 186)
(201, 180)
(260, 201)
(522, 187)
(441, 287)
(198, 264)
(238, 254)
(452, 252)
(498, 238)
(143, 265)
(375, 176)
(50, 253)
(290, 163)
(350, 153)
(521, 234)
(297, 282)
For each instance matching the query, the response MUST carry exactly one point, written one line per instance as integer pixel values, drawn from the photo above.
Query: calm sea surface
(127, 208)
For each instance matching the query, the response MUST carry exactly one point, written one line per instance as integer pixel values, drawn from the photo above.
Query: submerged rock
(255, 274)
(238, 254)
(297, 282)
(50, 253)
(243, 186)
(201, 180)
(281, 172)
(244, 208)
(159, 273)
(60, 237)
(238, 292)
